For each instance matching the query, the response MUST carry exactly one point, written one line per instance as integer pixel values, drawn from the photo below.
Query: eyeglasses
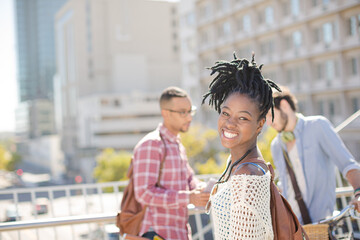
(184, 113)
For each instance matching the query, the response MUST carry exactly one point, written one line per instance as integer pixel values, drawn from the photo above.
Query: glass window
(355, 104)
(297, 39)
(330, 69)
(225, 4)
(226, 28)
(287, 41)
(269, 15)
(354, 64)
(317, 35)
(247, 23)
(238, 24)
(321, 107)
(352, 26)
(319, 71)
(190, 19)
(295, 7)
(332, 109)
(328, 32)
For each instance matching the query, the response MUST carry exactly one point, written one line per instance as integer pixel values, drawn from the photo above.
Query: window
(226, 28)
(287, 42)
(239, 24)
(204, 37)
(352, 26)
(205, 12)
(247, 23)
(319, 71)
(190, 19)
(328, 33)
(269, 15)
(225, 4)
(332, 109)
(354, 66)
(297, 39)
(317, 35)
(321, 107)
(295, 7)
(330, 69)
(355, 104)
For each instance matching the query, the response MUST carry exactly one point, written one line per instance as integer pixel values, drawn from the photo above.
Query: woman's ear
(260, 126)
(284, 105)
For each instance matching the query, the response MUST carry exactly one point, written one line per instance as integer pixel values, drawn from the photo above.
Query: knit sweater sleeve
(250, 207)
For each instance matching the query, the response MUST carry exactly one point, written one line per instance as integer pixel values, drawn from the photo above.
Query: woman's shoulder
(255, 167)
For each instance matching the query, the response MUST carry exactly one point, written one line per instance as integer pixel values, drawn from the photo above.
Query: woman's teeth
(229, 135)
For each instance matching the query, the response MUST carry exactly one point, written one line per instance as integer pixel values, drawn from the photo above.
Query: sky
(8, 84)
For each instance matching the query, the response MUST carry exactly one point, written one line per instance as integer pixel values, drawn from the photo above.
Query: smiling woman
(240, 200)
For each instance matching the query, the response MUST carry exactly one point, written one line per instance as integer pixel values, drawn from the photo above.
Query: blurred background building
(114, 57)
(311, 46)
(91, 71)
(34, 22)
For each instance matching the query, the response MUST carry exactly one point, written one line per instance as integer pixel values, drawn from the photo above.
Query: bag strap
(302, 206)
(255, 164)
(162, 161)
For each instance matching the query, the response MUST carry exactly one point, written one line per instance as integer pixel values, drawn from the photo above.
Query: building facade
(35, 47)
(311, 46)
(110, 52)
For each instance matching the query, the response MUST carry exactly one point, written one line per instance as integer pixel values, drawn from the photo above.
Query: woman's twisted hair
(243, 77)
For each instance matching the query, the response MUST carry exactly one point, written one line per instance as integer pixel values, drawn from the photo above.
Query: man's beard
(284, 117)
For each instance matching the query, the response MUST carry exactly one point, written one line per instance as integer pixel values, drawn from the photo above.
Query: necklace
(233, 165)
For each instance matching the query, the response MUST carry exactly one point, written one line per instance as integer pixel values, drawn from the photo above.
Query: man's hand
(199, 199)
(356, 202)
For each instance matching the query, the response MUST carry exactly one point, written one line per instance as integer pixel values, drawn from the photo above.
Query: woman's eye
(225, 113)
(242, 118)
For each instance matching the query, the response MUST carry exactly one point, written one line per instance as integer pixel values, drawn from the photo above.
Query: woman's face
(238, 123)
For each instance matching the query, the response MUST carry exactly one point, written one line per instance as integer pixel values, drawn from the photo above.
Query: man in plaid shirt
(167, 212)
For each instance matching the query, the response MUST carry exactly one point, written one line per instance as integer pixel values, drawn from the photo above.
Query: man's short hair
(287, 95)
(171, 92)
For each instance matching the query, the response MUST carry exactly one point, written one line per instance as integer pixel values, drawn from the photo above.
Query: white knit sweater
(241, 208)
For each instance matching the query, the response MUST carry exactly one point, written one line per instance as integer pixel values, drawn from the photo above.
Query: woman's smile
(229, 134)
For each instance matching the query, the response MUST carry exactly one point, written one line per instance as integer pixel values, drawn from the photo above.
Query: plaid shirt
(166, 211)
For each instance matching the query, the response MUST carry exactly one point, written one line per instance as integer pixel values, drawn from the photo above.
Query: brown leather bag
(131, 213)
(286, 226)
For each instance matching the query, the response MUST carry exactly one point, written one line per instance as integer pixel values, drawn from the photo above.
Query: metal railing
(69, 205)
(12, 230)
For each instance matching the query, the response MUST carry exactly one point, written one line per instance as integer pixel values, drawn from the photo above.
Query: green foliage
(264, 144)
(8, 159)
(112, 165)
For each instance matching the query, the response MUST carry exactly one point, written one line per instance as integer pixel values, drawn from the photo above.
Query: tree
(211, 166)
(203, 147)
(112, 165)
(265, 142)
(8, 160)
